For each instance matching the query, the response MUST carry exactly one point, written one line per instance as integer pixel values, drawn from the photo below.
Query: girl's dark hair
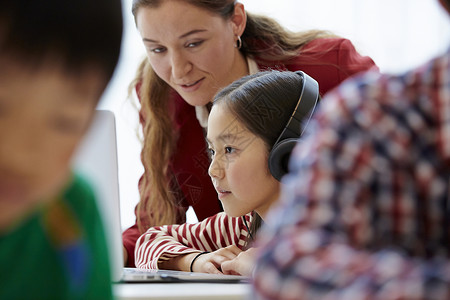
(263, 103)
(78, 34)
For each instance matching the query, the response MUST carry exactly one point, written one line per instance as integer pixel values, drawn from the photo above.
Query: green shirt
(59, 252)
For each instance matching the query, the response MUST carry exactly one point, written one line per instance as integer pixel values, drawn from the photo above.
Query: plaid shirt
(365, 211)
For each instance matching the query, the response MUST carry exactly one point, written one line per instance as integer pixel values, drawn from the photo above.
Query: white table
(191, 291)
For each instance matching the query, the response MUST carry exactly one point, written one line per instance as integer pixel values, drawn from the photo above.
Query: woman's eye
(194, 44)
(211, 152)
(157, 50)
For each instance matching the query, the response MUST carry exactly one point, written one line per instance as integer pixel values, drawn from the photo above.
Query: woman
(195, 48)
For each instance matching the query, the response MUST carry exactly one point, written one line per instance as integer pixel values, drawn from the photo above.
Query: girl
(194, 48)
(247, 120)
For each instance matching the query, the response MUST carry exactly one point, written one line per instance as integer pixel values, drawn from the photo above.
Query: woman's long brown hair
(263, 39)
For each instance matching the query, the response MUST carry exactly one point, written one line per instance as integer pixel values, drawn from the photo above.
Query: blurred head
(56, 59)
(77, 35)
(445, 4)
(191, 45)
(246, 119)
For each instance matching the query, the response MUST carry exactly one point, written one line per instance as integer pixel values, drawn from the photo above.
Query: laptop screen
(96, 161)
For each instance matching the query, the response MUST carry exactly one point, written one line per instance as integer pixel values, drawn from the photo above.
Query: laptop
(96, 160)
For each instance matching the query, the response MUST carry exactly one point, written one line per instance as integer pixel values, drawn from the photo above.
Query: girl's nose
(216, 169)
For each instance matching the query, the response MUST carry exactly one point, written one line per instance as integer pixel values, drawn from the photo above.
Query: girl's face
(43, 116)
(239, 168)
(192, 49)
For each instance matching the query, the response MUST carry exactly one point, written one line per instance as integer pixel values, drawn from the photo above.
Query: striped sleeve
(168, 241)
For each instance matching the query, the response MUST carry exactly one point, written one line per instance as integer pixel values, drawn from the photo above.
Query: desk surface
(191, 291)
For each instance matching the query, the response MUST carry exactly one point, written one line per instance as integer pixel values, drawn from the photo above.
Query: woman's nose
(180, 66)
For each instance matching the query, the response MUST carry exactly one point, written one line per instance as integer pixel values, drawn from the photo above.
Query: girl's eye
(211, 152)
(229, 150)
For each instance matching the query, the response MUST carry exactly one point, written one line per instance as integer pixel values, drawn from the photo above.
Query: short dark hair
(79, 33)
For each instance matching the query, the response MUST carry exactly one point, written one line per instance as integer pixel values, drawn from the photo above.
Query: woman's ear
(239, 19)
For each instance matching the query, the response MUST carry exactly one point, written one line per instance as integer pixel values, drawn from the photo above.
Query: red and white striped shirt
(164, 242)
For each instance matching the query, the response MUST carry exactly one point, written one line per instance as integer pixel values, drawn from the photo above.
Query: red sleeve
(330, 61)
(129, 238)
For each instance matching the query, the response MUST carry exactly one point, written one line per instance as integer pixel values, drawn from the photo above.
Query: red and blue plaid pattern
(365, 211)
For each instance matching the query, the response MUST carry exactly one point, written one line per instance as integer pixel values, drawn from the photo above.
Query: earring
(238, 42)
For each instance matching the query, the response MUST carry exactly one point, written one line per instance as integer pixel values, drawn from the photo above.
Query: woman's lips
(189, 88)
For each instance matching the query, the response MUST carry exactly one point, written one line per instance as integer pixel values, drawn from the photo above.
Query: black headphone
(281, 150)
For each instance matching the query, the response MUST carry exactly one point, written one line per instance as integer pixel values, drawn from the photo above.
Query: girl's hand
(212, 262)
(242, 264)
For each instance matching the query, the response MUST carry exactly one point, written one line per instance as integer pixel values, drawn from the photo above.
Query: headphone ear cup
(279, 157)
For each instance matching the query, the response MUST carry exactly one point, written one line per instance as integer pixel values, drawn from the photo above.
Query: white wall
(397, 34)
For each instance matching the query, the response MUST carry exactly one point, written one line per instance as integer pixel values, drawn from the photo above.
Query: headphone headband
(281, 150)
(304, 109)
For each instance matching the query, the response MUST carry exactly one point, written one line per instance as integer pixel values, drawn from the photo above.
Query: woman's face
(192, 49)
(239, 168)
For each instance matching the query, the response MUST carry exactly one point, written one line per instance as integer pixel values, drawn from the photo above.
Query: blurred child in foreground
(56, 58)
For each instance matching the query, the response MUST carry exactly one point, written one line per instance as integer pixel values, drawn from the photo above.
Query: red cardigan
(328, 60)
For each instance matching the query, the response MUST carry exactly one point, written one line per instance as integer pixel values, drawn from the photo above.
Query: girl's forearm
(181, 262)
